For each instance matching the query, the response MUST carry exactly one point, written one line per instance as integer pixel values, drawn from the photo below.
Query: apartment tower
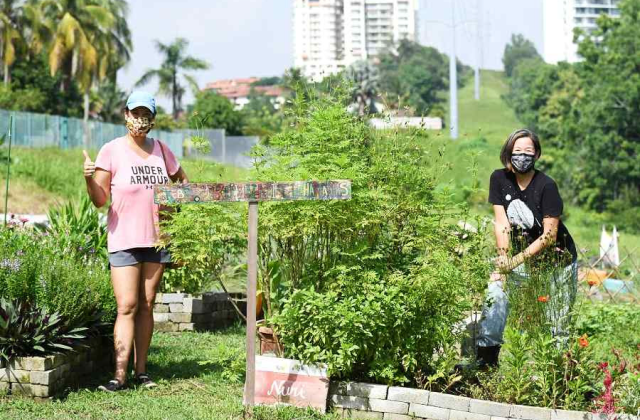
(561, 17)
(329, 35)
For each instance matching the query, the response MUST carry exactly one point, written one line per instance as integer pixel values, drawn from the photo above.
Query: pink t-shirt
(133, 217)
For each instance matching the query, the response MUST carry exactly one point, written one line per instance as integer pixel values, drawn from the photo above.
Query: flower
(582, 341)
(592, 282)
(24, 219)
(603, 365)
(543, 299)
(12, 265)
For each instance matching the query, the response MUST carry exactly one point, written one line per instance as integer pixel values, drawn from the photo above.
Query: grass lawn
(200, 376)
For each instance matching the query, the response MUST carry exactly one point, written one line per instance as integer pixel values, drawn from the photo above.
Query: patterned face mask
(139, 126)
(523, 162)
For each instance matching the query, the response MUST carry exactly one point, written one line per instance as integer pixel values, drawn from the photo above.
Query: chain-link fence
(40, 130)
(619, 283)
(230, 150)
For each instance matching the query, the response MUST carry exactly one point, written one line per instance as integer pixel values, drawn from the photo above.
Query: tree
(33, 73)
(9, 35)
(174, 61)
(602, 131)
(268, 81)
(531, 84)
(260, 116)
(109, 102)
(215, 111)
(587, 114)
(83, 34)
(29, 99)
(116, 44)
(517, 50)
(364, 78)
(414, 75)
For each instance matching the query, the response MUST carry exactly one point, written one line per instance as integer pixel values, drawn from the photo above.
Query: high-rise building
(561, 17)
(332, 34)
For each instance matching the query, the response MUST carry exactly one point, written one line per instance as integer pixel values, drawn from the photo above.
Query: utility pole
(453, 78)
(478, 49)
(453, 70)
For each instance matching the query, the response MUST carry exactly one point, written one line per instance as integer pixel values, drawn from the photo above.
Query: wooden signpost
(253, 193)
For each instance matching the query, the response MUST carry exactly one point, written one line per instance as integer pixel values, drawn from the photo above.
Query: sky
(243, 38)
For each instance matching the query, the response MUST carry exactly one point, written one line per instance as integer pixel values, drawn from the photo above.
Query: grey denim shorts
(135, 256)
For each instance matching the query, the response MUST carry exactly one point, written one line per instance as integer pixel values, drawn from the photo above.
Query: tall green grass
(60, 171)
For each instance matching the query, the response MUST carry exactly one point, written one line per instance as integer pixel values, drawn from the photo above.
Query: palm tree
(173, 62)
(117, 45)
(35, 28)
(9, 34)
(88, 39)
(107, 101)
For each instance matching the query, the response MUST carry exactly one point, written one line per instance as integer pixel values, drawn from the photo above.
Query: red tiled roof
(238, 88)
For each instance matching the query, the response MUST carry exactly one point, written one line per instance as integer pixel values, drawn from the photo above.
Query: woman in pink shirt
(125, 172)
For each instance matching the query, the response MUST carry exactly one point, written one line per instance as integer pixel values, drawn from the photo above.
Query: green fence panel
(40, 130)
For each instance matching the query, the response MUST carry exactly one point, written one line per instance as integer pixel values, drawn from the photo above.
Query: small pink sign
(286, 381)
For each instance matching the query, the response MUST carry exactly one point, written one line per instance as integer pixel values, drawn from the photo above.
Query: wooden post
(252, 271)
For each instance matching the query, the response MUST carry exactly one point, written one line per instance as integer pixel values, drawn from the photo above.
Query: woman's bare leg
(125, 282)
(149, 282)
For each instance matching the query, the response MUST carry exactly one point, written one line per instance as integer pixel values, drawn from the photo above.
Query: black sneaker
(112, 386)
(145, 381)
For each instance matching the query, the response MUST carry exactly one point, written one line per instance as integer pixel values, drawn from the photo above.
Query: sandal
(144, 380)
(112, 386)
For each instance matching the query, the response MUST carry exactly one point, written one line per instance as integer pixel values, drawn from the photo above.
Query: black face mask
(523, 162)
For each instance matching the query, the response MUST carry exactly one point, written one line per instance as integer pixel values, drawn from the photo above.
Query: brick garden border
(211, 311)
(368, 401)
(43, 377)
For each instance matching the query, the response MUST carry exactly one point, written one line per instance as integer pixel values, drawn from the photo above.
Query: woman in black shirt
(527, 207)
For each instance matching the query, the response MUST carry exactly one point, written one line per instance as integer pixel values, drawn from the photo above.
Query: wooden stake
(6, 191)
(252, 271)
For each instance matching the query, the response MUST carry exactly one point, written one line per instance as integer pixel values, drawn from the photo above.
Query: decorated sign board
(286, 381)
(253, 191)
(306, 379)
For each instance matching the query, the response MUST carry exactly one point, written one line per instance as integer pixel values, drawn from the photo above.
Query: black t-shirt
(526, 208)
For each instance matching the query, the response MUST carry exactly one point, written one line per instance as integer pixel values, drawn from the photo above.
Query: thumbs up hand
(89, 165)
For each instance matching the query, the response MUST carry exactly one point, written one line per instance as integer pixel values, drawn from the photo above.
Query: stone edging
(47, 376)
(174, 312)
(368, 401)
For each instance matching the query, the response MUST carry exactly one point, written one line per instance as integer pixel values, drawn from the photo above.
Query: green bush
(77, 229)
(390, 330)
(361, 284)
(28, 99)
(534, 370)
(610, 325)
(204, 239)
(38, 274)
(27, 330)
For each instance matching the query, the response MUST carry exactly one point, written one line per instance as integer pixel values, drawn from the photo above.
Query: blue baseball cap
(141, 98)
